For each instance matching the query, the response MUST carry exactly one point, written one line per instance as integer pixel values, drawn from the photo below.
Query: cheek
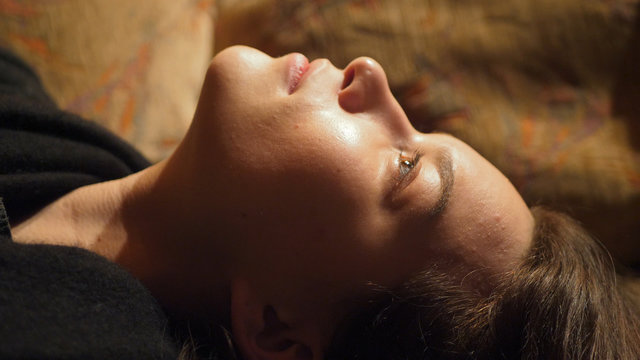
(331, 178)
(321, 212)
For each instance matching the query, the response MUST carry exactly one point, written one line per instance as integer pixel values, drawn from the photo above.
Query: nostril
(348, 78)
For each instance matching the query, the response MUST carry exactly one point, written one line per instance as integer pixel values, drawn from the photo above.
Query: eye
(408, 163)
(408, 168)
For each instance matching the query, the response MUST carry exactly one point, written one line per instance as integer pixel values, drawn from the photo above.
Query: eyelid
(404, 179)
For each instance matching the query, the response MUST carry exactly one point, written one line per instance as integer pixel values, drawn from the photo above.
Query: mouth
(298, 65)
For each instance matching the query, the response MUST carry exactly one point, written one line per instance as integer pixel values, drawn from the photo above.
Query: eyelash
(408, 164)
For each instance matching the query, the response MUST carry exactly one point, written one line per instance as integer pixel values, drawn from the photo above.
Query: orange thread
(527, 129)
(169, 142)
(126, 120)
(107, 74)
(144, 55)
(36, 45)
(204, 5)
(101, 103)
(13, 7)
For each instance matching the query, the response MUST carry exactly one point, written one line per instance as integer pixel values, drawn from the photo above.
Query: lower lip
(298, 65)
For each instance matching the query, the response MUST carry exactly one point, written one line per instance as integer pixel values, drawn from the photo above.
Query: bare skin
(295, 187)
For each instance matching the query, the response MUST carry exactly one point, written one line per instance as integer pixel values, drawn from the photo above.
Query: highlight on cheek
(347, 133)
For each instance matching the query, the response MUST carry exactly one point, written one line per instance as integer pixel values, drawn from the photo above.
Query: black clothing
(45, 152)
(59, 302)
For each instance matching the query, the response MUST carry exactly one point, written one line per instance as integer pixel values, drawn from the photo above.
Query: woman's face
(326, 183)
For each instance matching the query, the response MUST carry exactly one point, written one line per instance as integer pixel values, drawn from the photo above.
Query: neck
(133, 222)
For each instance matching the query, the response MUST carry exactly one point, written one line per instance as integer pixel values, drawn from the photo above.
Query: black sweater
(60, 302)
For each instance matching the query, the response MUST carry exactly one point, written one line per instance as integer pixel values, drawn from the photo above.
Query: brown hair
(565, 301)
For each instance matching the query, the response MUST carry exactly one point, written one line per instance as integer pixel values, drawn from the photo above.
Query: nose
(365, 89)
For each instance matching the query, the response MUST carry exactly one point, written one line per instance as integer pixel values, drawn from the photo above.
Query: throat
(136, 224)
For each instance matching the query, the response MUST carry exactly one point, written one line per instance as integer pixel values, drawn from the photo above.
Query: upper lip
(311, 69)
(298, 66)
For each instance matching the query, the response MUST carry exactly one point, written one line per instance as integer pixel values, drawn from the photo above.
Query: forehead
(487, 224)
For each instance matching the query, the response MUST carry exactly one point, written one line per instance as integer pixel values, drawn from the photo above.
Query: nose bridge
(366, 90)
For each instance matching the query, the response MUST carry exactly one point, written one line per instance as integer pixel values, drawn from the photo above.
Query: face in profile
(323, 186)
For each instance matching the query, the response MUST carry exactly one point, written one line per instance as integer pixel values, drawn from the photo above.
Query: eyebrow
(444, 165)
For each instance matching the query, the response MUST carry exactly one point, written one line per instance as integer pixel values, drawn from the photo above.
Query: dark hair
(565, 301)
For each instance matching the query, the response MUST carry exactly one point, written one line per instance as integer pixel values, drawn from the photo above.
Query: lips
(298, 65)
